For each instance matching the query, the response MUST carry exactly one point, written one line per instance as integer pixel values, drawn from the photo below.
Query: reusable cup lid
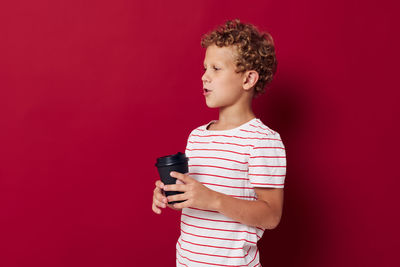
(169, 160)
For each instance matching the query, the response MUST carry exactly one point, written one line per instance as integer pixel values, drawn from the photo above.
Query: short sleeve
(267, 163)
(188, 145)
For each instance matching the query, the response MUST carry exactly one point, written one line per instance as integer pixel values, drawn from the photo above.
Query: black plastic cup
(165, 165)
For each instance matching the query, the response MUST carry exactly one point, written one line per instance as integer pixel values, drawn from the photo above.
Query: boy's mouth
(206, 91)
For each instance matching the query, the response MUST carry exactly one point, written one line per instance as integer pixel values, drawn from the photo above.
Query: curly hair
(255, 49)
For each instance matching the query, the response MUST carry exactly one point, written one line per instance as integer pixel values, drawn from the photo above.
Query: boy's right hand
(159, 198)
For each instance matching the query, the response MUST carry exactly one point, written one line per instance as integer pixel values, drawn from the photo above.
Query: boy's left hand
(195, 194)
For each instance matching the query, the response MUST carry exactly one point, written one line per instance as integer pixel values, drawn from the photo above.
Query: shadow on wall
(286, 109)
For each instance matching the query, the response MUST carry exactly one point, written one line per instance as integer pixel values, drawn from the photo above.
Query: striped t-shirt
(232, 162)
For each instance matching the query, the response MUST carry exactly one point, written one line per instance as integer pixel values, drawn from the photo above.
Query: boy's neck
(232, 118)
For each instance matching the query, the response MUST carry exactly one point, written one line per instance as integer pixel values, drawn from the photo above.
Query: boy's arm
(265, 212)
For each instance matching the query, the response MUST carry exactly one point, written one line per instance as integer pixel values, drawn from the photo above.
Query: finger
(177, 197)
(155, 209)
(175, 187)
(180, 176)
(159, 184)
(160, 197)
(184, 204)
(159, 204)
(159, 193)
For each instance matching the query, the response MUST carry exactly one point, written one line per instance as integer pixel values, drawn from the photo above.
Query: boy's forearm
(253, 213)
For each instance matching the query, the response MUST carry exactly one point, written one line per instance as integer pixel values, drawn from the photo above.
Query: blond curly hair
(255, 49)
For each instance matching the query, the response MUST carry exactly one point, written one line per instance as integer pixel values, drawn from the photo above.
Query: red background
(93, 91)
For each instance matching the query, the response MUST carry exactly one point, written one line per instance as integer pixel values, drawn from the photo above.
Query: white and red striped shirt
(232, 162)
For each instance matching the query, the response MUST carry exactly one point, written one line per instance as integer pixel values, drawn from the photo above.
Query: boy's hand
(159, 199)
(195, 194)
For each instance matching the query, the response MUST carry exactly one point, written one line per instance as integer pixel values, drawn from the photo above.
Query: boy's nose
(205, 78)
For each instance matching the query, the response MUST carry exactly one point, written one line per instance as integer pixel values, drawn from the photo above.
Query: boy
(237, 166)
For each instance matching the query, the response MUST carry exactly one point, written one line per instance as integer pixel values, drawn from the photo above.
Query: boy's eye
(214, 68)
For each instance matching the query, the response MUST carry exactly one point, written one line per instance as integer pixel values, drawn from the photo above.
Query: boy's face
(223, 87)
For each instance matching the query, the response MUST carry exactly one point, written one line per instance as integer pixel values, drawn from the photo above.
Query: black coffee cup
(165, 165)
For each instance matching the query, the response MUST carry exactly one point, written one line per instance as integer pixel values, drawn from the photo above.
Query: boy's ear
(250, 79)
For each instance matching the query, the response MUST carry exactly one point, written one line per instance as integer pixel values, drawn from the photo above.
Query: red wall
(91, 92)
